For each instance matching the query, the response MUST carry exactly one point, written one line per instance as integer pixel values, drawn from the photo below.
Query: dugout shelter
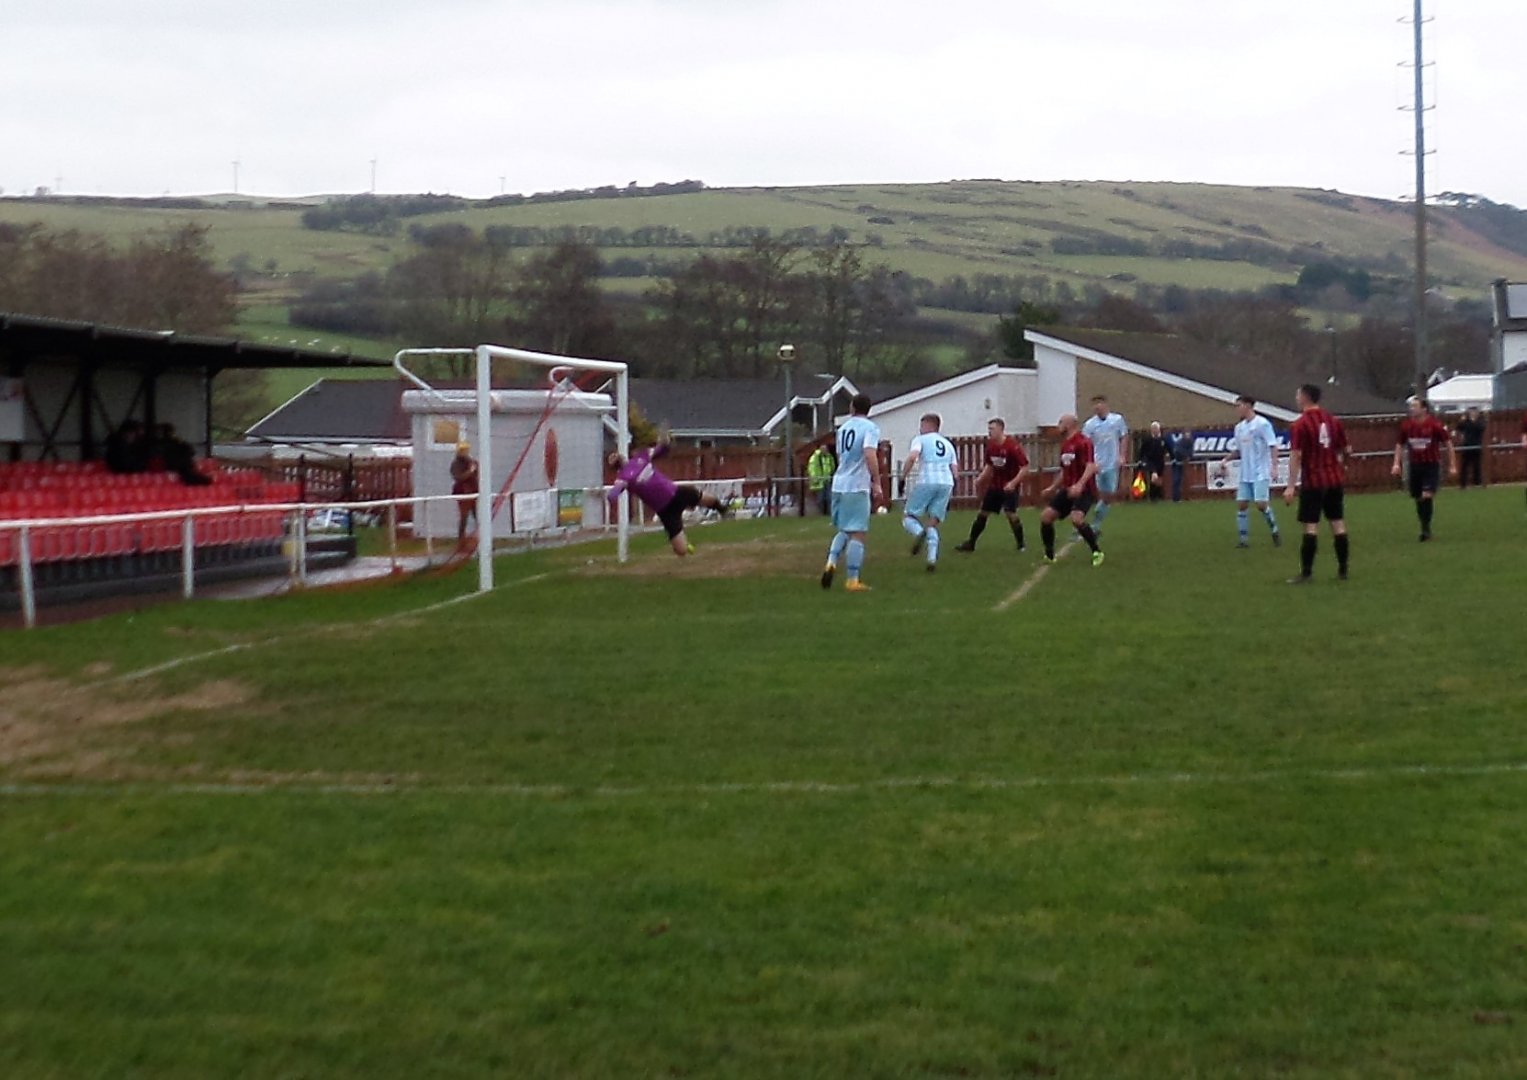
(66, 385)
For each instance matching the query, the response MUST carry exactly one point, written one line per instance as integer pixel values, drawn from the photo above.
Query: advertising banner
(570, 509)
(1216, 448)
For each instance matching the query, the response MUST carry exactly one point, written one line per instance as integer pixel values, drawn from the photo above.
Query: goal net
(536, 449)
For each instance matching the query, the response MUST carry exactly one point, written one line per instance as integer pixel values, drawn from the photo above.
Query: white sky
(149, 96)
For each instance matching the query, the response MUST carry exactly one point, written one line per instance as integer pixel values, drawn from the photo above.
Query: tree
(164, 280)
(769, 299)
(557, 303)
(1115, 312)
(453, 292)
(725, 317)
(835, 302)
(1380, 355)
(1010, 329)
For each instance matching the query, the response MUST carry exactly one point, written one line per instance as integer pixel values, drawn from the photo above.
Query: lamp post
(787, 361)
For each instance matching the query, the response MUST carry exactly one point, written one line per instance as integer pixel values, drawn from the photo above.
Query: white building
(1462, 392)
(555, 458)
(1509, 345)
(964, 403)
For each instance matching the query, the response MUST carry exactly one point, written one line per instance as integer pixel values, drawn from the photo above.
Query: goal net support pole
(485, 355)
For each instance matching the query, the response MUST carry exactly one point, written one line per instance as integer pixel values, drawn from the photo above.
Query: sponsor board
(1216, 448)
(1225, 474)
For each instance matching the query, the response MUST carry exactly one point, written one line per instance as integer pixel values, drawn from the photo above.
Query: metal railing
(292, 534)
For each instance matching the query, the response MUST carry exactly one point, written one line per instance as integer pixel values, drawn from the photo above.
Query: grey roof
(742, 405)
(730, 405)
(340, 410)
(1271, 383)
(370, 410)
(159, 349)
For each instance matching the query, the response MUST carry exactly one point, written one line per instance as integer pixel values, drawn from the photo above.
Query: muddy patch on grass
(750, 558)
(50, 725)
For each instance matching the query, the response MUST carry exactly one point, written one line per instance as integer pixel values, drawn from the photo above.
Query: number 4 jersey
(1319, 438)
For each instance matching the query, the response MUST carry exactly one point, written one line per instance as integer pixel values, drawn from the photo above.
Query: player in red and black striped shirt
(1425, 436)
(1074, 490)
(1317, 448)
(999, 483)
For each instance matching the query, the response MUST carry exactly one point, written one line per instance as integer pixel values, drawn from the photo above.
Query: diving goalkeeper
(665, 498)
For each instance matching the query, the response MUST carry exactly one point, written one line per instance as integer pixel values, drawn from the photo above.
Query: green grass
(267, 324)
(1168, 817)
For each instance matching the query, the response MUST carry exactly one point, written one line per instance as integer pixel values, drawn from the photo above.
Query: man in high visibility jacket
(819, 469)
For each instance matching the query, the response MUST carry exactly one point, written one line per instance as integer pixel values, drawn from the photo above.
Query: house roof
(340, 410)
(735, 406)
(710, 405)
(1202, 368)
(940, 386)
(370, 410)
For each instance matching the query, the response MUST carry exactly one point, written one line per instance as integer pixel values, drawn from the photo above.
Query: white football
(883, 510)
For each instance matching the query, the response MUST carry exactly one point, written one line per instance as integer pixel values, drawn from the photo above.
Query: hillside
(1155, 233)
(1117, 235)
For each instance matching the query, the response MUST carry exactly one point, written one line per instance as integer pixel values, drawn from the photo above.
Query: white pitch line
(780, 787)
(1034, 579)
(312, 631)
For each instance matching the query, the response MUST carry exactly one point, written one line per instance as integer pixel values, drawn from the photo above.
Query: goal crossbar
(485, 355)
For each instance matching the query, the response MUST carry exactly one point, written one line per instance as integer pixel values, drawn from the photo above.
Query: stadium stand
(47, 489)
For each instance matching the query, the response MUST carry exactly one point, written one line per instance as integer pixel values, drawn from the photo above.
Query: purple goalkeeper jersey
(644, 480)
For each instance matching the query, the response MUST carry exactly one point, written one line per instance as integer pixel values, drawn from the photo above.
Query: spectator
(1180, 446)
(178, 457)
(1153, 452)
(1470, 436)
(819, 469)
(127, 449)
(464, 482)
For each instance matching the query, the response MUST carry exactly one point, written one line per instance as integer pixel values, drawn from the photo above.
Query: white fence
(25, 543)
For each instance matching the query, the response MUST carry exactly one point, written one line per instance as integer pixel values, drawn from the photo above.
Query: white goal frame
(486, 492)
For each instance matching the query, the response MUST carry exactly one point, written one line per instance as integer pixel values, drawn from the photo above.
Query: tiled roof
(1188, 359)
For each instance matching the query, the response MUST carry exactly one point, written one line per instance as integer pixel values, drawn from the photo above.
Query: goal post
(486, 493)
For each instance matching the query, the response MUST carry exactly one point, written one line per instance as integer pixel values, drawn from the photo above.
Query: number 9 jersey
(935, 459)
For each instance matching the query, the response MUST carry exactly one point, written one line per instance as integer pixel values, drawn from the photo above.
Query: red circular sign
(549, 457)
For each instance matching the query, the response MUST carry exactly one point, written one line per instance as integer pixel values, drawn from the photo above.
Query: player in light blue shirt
(1257, 445)
(1108, 433)
(932, 457)
(855, 491)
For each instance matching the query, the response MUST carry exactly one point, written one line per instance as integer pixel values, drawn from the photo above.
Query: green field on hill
(1165, 817)
(935, 231)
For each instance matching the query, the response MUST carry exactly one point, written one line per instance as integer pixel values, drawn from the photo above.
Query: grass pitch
(1168, 817)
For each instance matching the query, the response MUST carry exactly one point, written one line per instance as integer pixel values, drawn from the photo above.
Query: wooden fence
(336, 480)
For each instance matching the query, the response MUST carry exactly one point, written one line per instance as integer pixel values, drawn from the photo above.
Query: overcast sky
(149, 96)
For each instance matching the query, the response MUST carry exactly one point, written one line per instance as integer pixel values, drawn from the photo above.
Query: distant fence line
(330, 480)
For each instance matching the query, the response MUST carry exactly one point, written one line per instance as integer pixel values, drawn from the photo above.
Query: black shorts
(1064, 505)
(1316, 501)
(672, 515)
(1424, 477)
(996, 499)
